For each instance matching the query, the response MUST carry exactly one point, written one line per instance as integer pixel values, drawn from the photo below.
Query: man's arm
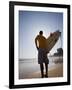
(36, 43)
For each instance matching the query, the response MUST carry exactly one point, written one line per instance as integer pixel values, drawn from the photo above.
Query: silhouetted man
(41, 46)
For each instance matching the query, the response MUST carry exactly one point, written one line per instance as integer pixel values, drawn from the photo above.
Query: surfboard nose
(58, 32)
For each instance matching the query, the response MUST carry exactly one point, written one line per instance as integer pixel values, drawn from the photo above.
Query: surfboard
(52, 39)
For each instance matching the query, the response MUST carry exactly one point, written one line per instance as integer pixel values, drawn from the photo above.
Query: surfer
(41, 45)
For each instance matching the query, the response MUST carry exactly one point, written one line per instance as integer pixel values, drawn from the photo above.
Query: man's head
(41, 32)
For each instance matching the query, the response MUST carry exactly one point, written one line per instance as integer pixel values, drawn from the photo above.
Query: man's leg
(46, 67)
(42, 69)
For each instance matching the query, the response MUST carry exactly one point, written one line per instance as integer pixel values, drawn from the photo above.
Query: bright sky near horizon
(30, 23)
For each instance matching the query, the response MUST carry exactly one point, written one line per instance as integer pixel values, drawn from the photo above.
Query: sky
(30, 23)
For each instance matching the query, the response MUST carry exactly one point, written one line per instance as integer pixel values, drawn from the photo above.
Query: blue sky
(30, 23)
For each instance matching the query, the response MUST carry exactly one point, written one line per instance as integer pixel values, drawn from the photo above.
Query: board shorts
(42, 56)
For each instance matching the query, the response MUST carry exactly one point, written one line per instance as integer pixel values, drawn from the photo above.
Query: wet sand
(56, 71)
(33, 70)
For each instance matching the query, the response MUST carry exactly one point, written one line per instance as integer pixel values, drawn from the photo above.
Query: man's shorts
(42, 56)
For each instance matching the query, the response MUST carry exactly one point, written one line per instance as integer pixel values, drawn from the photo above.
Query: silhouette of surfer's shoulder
(40, 38)
(37, 36)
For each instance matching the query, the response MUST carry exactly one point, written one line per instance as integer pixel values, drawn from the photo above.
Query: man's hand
(37, 48)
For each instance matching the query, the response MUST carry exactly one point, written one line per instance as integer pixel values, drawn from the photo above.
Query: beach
(29, 69)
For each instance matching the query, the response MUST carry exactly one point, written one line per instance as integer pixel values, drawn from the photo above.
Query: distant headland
(59, 52)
